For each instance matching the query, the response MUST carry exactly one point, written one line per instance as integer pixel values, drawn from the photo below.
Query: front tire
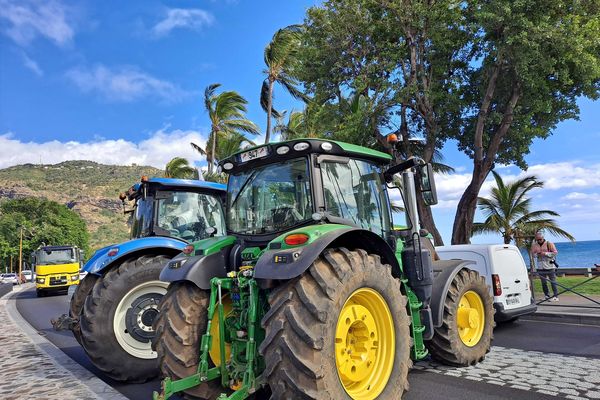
(339, 331)
(78, 300)
(466, 333)
(179, 328)
(116, 322)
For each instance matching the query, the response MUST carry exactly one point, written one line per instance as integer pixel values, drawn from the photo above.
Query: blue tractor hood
(106, 256)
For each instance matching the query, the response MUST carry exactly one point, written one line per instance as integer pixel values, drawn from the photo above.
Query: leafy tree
(43, 221)
(536, 58)
(508, 211)
(279, 54)
(179, 167)
(226, 112)
(492, 75)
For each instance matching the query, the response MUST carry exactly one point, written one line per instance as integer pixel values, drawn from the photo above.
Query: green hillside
(90, 189)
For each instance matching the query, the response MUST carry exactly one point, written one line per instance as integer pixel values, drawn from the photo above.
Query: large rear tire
(466, 333)
(179, 328)
(340, 331)
(116, 322)
(78, 300)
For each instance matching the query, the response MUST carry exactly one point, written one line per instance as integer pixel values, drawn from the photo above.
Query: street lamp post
(20, 254)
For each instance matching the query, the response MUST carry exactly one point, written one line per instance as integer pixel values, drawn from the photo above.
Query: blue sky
(122, 82)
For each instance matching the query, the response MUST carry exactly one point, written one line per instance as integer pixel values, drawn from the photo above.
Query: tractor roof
(177, 184)
(187, 183)
(249, 157)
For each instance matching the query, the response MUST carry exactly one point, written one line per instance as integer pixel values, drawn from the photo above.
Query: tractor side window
(354, 191)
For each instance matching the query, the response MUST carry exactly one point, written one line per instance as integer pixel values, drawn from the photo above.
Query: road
(529, 360)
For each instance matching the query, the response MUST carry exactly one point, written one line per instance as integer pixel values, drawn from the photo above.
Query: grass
(592, 287)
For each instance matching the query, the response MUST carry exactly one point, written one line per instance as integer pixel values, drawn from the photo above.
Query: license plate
(512, 300)
(254, 154)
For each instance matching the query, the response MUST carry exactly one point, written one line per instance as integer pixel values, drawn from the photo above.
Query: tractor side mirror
(427, 184)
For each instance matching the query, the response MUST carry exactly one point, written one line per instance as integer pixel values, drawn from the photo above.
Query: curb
(564, 318)
(60, 359)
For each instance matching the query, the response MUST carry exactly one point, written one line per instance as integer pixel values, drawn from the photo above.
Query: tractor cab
(279, 187)
(177, 208)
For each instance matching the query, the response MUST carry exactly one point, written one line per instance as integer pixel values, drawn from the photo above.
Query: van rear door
(510, 267)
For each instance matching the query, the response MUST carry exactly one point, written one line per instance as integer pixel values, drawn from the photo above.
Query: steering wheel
(285, 215)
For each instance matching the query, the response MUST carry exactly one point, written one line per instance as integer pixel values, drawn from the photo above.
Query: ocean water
(577, 255)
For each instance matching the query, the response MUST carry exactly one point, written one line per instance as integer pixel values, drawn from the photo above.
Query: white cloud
(156, 150)
(194, 19)
(25, 20)
(32, 65)
(556, 176)
(124, 84)
(569, 174)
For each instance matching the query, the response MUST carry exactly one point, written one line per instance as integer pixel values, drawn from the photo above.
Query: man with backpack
(545, 252)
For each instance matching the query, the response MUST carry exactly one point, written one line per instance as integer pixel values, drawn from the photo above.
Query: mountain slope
(89, 188)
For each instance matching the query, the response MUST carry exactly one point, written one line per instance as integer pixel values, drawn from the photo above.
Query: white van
(505, 272)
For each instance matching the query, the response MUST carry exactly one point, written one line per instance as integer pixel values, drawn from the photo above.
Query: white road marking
(557, 375)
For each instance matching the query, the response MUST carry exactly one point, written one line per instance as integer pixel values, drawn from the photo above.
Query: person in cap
(545, 252)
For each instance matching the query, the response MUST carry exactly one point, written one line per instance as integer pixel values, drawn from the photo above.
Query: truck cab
(56, 268)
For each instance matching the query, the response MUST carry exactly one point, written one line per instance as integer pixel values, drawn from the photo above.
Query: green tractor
(314, 294)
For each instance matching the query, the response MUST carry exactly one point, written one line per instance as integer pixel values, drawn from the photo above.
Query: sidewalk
(32, 367)
(570, 308)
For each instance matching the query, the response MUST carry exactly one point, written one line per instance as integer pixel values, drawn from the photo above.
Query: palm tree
(179, 167)
(279, 55)
(507, 212)
(226, 112)
(227, 144)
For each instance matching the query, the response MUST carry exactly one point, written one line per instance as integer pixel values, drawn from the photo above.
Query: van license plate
(512, 300)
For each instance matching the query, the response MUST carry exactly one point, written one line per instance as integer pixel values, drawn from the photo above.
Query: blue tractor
(112, 310)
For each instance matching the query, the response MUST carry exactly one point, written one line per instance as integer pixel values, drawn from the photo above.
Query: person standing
(545, 252)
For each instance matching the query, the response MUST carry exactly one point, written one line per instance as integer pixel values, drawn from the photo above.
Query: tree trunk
(269, 111)
(465, 211)
(213, 152)
(427, 222)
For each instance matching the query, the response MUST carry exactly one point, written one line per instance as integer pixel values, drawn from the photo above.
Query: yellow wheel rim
(215, 350)
(470, 318)
(365, 344)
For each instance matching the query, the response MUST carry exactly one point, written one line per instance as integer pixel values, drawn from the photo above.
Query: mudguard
(101, 260)
(444, 272)
(197, 269)
(283, 264)
(210, 260)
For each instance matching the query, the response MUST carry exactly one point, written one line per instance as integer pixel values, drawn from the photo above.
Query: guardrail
(594, 273)
(589, 272)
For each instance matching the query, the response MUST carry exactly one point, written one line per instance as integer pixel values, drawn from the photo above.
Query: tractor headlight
(301, 146)
(74, 277)
(40, 280)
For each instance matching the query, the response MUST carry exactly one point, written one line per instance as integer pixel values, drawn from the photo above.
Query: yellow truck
(56, 268)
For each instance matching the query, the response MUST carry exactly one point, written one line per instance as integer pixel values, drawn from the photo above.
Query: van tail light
(496, 285)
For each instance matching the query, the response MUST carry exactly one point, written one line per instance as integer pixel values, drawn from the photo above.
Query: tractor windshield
(183, 215)
(187, 215)
(270, 198)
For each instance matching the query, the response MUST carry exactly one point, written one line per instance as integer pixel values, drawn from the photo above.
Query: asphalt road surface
(529, 360)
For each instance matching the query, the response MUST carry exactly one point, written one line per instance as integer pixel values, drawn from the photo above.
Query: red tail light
(189, 249)
(496, 285)
(113, 252)
(296, 239)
